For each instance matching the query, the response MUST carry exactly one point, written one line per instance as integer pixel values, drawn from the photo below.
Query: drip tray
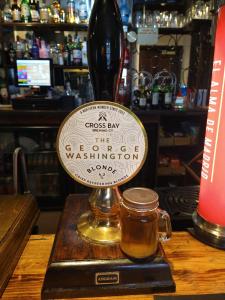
(180, 203)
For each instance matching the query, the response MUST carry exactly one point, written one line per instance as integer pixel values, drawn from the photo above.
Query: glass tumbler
(143, 224)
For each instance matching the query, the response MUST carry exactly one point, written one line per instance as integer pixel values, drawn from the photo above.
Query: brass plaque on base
(78, 268)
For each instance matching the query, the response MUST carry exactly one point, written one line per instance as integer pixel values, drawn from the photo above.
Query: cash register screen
(34, 72)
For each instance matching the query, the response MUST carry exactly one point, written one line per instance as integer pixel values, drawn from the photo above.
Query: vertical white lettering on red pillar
(218, 126)
(212, 124)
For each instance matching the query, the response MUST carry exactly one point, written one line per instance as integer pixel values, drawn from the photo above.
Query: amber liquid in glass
(139, 233)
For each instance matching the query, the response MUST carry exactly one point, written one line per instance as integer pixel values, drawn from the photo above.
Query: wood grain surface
(18, 214)
(197, 268)
(69, 245)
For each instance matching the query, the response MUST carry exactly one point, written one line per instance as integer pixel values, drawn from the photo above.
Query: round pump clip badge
(102, 144)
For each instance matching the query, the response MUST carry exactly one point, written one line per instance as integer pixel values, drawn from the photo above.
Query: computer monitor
(34, 73)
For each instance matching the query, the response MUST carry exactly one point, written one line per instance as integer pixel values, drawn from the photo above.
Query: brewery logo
(102, 144)
(102, 116)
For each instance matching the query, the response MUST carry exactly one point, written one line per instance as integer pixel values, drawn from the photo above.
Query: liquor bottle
(142, 101)
(82, 13)
(135, 98)
(55, 8)
(125, 13)
(161, 96)
(155, 96)
(77, 54)
(29, 40)
(69, 47)
(7, 12)
(16, 12)
(44, 16)
(148, 95)
(60, 61)
(167, 103)
(43, 50)
(11, 54)
(65, 53)
(54, 54)
(27, 52)
(38, 8)
(25, 11)
(84, 52)
(62, 16)
(19, 48)
(68, 89)
(35, 49)
(34, 11)
(71, 14)
(105, 49)
(60, 58)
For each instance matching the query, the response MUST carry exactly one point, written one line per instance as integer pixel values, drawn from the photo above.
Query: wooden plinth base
(81, 269)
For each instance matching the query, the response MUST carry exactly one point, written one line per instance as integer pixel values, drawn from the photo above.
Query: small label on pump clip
(107, 278)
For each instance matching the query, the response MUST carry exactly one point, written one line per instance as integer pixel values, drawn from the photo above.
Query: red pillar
(210, 217)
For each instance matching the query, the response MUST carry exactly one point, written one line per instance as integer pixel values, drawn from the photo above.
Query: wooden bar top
(196, 268)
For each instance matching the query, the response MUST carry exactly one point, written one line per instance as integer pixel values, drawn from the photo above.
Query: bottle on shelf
(62, 16)
(82, 12)
(7, 12)
(89, 90)
(16, 12)
(35, 49)
(54, 53)
(25, 11)
(143, 101)
(105, 49)
(11, 54)
(55, 11)
(155, 96)
(84, 52)
(65, 53)
(43, 50)
(77, 53)
(125, 13)
(71, 15)
(148, 95)
(27, 53)
(68, 89)
(167, 103)
(38, 7)
(69, 47)
(60, 55)
(34, 11)
(135, 98)
(44, 15)
(19, 48)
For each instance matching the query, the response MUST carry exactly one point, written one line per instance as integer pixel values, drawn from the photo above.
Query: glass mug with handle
(143, 223)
